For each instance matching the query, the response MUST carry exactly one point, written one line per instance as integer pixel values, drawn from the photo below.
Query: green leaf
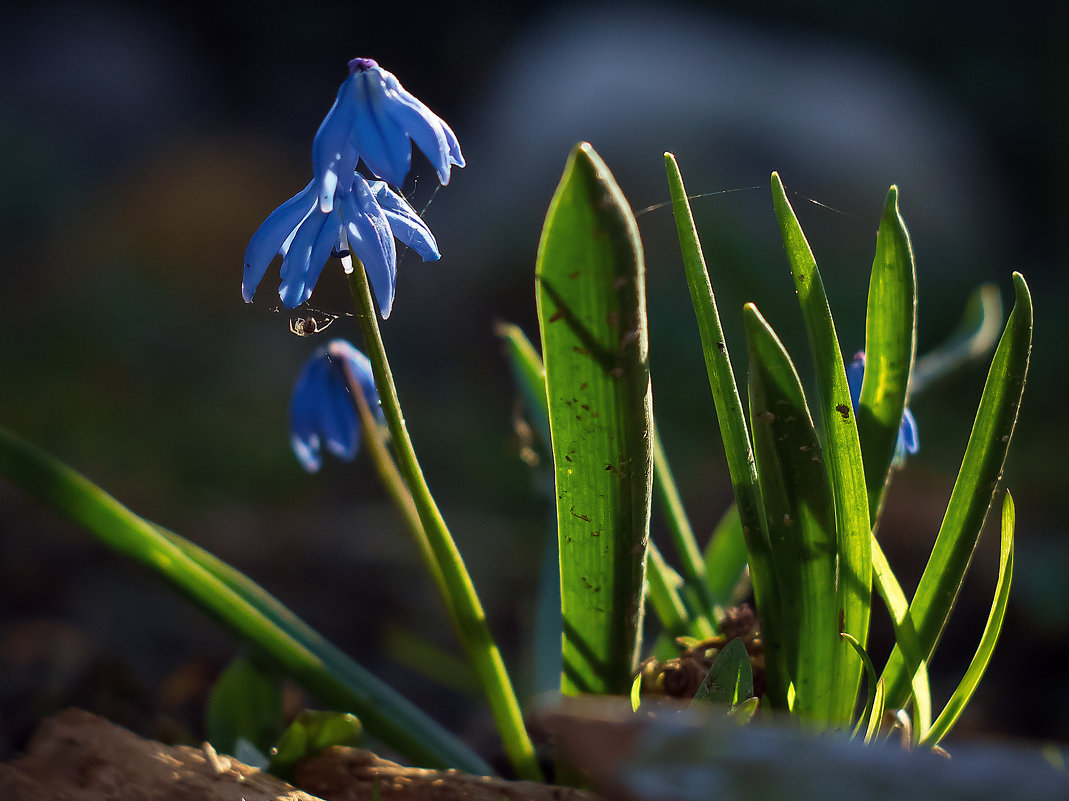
(245, 703)
(890, 345)
(799, 515)
(873, 681)
(975, 335)
(241, 605)
(664, 583)
(311, 732)
(592, 316)
(906, 641)
(667, 494)
(842, 449)
(977, 667)
(725, 558)
(664, 586)
(872, 730)
(742, 713)
(730, 677)
(973, 493)
(729, 414)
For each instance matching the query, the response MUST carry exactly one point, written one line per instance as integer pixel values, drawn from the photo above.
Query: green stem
(390, 476)
(460, 592)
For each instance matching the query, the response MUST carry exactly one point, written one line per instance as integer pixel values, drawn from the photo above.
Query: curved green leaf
(241, 605)
(974, 490)
(842, 448)
(978, 665)
(729, 413)
(592, 316)
(725, 558)
(730, 677)
(890, 345)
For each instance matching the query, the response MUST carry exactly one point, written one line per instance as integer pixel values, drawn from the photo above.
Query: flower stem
(390, 476)
(460, 595)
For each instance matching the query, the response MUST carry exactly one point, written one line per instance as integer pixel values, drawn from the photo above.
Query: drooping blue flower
(376, 119)
(364, 219)
(908, 441)
(323, 411)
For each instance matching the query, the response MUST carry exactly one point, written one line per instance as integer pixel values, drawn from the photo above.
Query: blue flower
(908, 441)
(323, 410)
(364, 219)
(375, 119)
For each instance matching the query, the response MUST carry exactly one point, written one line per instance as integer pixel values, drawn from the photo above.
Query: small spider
(307, 326)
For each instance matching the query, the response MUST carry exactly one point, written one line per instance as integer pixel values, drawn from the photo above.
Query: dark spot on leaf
(559, 314)
(844, 410)
(766, 417)
(580, 351)
(583, 386)
(788, 520)
(722, 348)
(619, 283)
(581, 517)
(574, 274)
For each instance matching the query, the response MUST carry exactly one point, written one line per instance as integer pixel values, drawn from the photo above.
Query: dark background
(140, 148)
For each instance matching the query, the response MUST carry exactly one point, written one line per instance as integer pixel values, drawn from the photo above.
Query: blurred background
(141, 147)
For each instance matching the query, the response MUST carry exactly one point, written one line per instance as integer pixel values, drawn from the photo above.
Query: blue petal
(334, 155)
(304, 413)
(298, 264)
(405, 223)
(415, 104)
(382, 143)
(908, 440)
(342, 351)
(271, 236)
(371, 240)
(338, 418)
(426, 131)
(855, 376)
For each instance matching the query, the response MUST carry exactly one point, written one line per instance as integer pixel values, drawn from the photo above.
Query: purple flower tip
(362, 65)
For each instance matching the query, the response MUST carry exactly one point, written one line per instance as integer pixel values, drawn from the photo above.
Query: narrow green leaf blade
(730, 416)
(592, 316)
(974, 490)
(978, 665)
(842, 449)
(241, 605)
(890, 346)
(730, 677)
(876, 714)
(799, 514)
(916, 666)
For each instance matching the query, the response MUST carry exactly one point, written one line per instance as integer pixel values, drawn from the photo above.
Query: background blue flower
(908, 441)
(322, 410)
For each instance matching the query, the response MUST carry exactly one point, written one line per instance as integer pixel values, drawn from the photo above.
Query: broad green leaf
(592, 316)
(976, 333)
(311, 732)
(965, 689)
(245, 703)
(636, 693)
(730, 677)
(890, 345)
(799, 514)
(241, 605)
(664, 582)
(974, 490)
(730, 416)
(725, 558)
(842, 449)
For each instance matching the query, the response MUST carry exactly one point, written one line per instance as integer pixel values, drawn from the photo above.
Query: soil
(76, 756)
